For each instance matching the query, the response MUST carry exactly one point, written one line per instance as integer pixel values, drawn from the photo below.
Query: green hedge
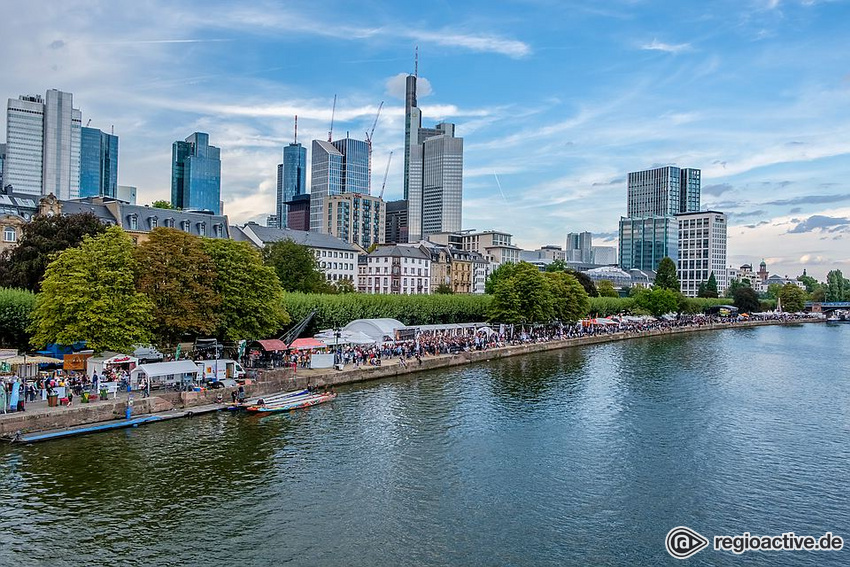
(338, 310)
(608, 306)
(16, 305)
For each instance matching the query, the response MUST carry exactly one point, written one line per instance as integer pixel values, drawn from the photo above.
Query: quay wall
(283, 379)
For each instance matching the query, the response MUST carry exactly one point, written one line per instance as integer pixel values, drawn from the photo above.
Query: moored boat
(273, 399)
(288, 405)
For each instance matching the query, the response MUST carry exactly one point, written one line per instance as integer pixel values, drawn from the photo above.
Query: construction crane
(386, 173)
(87, 123)
(371, 133)
(331, 131)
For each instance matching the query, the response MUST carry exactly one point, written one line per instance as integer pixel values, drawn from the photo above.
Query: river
(584, 456)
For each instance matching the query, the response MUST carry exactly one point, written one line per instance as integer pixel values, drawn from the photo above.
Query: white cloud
(396, 86)
(674, 48)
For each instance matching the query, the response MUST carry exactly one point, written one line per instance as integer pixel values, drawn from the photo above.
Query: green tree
(658, 301)
(556, 266)
(709, 288)
(24, 266)
(773, 290)
(16, 307)
(522, 298)
(89, 294)
(746, 299)
(585, 281)
(810, 283)
(296, 267)
(162, 204)
(175, 272)
(818, 294)
(502, 271)
(569, 299)
(251, 295)
(444, 289)
(836, 286)
(606, 289)
(665, 276)
(793, 298)
(343, 286)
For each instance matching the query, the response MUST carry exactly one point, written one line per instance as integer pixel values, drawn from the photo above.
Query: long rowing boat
(273, 399)
(301, 402)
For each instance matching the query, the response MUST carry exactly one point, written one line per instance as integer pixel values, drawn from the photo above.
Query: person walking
(3, 398)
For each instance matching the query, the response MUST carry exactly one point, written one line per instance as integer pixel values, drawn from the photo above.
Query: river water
(585, 456)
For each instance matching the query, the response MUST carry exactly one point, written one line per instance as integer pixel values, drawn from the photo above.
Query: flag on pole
(177, 353)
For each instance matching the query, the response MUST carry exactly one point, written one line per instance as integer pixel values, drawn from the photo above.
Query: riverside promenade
(40, 418)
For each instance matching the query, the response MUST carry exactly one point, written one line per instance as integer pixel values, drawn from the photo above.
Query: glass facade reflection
(291, 179)
(196, 174)
(98, 163)
(338, 167)
(644, 241)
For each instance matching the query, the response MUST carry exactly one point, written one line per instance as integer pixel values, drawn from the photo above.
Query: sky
(557, 100)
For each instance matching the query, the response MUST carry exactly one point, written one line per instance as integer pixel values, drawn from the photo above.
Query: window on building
(185, 226)
(133, 222)
(9, 234)
(202, 228)
(154, 222)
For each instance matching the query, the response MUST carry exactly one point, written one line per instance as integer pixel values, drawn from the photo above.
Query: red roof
(270, 345)
(307, 343)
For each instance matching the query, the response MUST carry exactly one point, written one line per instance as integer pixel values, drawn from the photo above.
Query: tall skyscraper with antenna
(291, 177)
(433, 170)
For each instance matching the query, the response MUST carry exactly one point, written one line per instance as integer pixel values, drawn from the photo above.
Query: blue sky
(556, 100)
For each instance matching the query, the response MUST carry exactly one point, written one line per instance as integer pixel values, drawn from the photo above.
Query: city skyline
(557, 102)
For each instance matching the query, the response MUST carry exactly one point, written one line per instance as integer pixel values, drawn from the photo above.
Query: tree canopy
(658, 301)
(162, 204)
(175, 272)
(24, 266)
(837, 288)
(502, 272)
(556, 266)
(708, 288)
(606, 289)
(585, 281)
(296, 267)
(793, 298)
(89, 294)
(665, 276)
(524, 297)
(746, 299)
(15, 308)
(251, 295)
(569, 299)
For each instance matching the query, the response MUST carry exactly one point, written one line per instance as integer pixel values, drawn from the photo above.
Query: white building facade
(702, 250)
(397, 270)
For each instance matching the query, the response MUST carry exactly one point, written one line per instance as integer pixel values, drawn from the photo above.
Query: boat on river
(292, 404)
(273, 399)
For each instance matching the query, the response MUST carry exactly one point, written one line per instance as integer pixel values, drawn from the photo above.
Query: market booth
(159, 374)
(113, 361)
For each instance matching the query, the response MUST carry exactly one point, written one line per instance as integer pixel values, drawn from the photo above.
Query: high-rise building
(433, 172)
(2, 164)
(356, 218)
(43, 145)
(604, 255)
(396, 227)
(579, 247)
(98, 163)
(702, 250)
(291, 179)
(649, 231)
(196, 174)
(126, 193)
(338, 167)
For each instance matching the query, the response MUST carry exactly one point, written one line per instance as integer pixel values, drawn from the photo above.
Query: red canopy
(271, 345)
(301, 344)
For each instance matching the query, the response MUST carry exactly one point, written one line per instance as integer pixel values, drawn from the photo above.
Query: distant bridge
(826, 306)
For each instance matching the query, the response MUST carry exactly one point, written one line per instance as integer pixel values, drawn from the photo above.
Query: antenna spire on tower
(331, 131)
(416, 63)
(296, 128)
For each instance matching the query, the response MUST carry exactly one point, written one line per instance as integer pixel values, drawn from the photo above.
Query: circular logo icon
(683, 542)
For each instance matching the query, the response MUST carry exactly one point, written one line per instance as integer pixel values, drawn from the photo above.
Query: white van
(220, 370)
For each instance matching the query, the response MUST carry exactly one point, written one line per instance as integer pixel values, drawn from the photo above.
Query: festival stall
(158, 374)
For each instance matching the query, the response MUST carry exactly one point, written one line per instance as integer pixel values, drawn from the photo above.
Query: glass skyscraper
(291, 179)
(433, 173)
(43, 145)
(338, 167)
(196, 174)
(98, 163)
(649, 232)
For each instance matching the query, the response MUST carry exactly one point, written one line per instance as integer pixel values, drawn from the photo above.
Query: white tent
(166, 372)
(378, 330)
(345, 338)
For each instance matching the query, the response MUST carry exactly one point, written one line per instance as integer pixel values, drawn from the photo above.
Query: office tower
(272, 221)
(298, 216)
(43, 145)
(604, 255)
(579, 247)
(126, 193)
(98, 163)
(396, 222)
(291, 179)
(702, 250)
(196, 174)
(649, 232)
(2, 165)
(338, 167)
(433, 172)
